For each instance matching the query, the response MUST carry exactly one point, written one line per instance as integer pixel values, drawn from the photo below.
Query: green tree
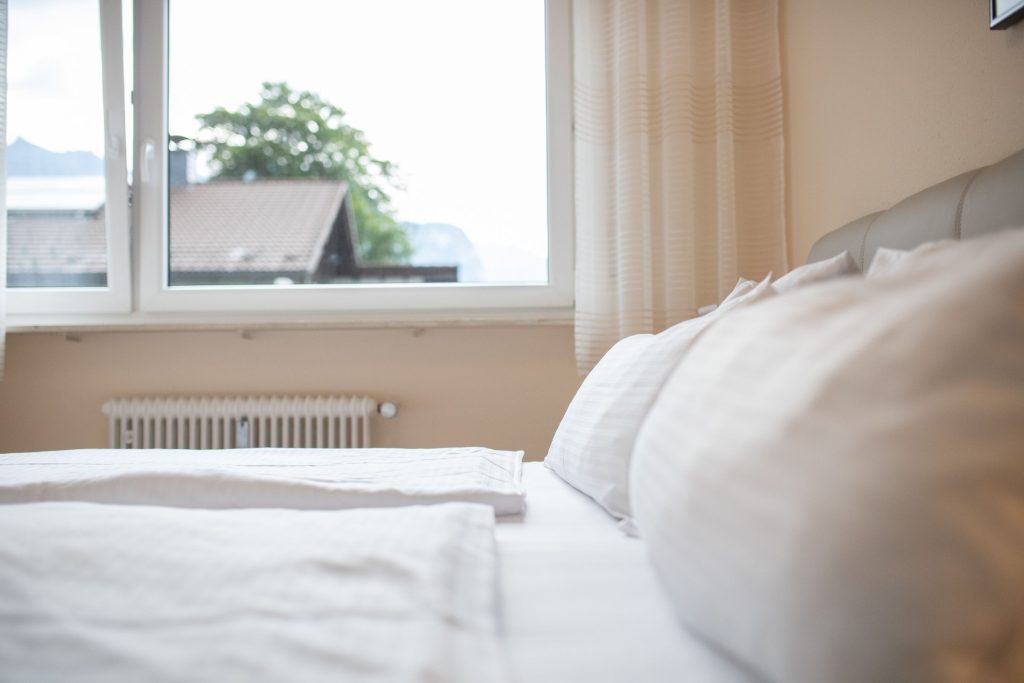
(296, 134)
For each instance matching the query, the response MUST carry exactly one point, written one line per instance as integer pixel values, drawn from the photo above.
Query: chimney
(182, 169)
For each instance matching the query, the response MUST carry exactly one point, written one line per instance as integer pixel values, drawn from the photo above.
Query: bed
(581, 602)
(815, 481)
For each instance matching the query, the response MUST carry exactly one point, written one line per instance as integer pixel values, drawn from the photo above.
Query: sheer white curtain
(679, 160)
(3, 179)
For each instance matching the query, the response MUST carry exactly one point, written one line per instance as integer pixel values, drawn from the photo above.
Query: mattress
(580, 601)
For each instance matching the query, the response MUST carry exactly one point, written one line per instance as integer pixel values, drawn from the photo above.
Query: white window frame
(151, 206)
(116, 296)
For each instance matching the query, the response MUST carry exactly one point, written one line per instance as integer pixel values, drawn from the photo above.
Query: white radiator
(244, 422)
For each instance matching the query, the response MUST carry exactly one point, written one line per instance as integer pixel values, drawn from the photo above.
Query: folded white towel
(308, 479)
(98, 593)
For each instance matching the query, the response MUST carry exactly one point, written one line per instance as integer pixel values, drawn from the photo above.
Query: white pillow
(831, 484)
(708, 308)
(742, 287)
(591, 448)
(830, 268)
(801, 276)
(885, 259)
(888, 260)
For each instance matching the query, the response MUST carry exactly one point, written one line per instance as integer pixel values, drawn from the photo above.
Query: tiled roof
(264, 226)
(55, 243)
(258, 226)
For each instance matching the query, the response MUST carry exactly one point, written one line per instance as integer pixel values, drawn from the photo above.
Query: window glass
(357, 142)
(56, 228)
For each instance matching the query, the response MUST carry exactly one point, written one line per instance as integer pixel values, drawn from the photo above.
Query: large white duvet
(305, 479)
(135, 593)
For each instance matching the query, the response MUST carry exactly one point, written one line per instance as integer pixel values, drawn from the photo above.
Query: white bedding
(268, 477)
(134, 593)
(578, 599)
(581, 602)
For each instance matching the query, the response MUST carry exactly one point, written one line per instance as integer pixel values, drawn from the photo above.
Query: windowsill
(243, 321)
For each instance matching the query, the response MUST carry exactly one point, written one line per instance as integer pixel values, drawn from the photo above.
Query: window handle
(115, 141)
(148, 156)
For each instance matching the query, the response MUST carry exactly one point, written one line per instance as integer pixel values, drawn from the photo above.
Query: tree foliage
(296, 134)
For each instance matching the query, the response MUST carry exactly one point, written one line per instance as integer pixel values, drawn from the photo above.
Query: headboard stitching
(960, 204)
(864, 241)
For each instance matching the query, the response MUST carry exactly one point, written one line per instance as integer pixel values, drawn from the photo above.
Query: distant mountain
(441, 244)
(26, 159)
(502, 263)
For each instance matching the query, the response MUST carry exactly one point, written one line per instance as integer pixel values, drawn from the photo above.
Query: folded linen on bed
(115, 593)
(308, 479)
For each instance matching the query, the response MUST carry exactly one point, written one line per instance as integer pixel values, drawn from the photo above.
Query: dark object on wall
(1004, 13)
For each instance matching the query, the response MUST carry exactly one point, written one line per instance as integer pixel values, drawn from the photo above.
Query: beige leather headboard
(975, 203)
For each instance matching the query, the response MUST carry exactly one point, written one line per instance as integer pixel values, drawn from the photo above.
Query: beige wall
(887, 97)
(502, 387)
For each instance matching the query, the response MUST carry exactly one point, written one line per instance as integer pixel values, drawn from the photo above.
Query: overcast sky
(450, 90)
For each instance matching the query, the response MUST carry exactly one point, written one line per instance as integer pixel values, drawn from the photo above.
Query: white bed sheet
(580, 601)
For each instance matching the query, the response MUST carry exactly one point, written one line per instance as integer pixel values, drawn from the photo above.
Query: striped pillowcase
(830, 484)
(839, 265)
(592, 447)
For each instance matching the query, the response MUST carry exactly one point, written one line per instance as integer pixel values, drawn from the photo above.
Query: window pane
(55, 187)
(342, 142)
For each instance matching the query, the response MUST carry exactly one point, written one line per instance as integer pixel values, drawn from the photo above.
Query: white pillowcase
(885, 259)
(742, 287)
(591, 448)
(888, 260)
(831, 484)
(809, 273)
(801, 276)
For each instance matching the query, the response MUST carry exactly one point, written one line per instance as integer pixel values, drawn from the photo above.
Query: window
(344, 156)
(386, 155)
(67, 241)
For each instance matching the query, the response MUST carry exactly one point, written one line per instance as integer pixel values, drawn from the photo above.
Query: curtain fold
(3, 181)
(679, 160)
